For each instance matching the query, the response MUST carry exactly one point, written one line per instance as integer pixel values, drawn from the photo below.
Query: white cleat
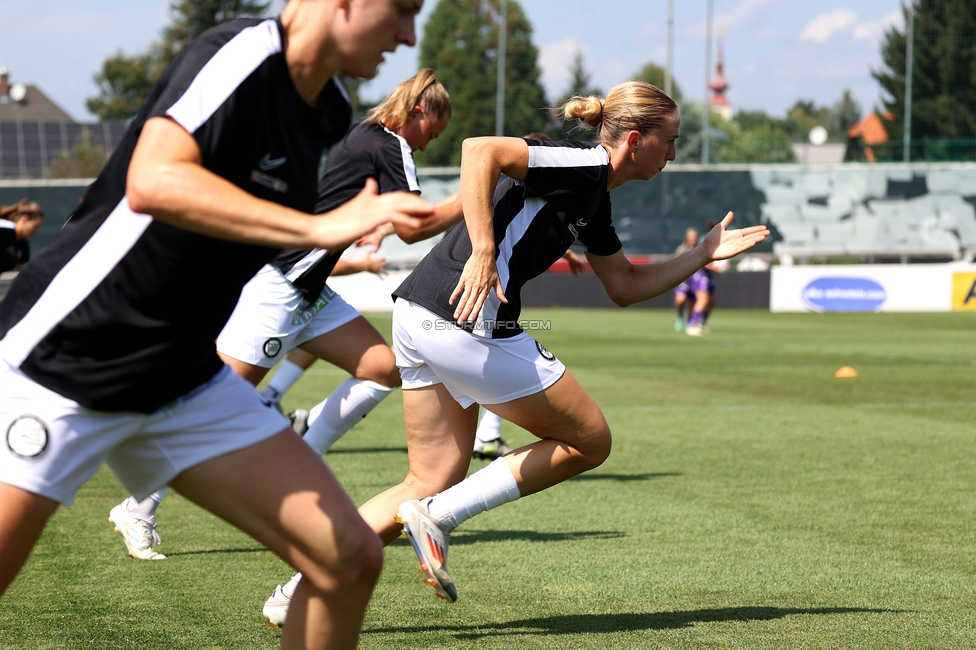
(695, 330)
(299, 421)
(139, 535)
(430, 544)
(276, 608)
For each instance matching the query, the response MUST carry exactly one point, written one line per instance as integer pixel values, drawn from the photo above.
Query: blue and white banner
(863, 288)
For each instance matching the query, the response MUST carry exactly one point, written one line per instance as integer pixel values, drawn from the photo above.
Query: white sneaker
(139, 535)
(430, 544)
(299, 421)
(276, 608)
(695, 330)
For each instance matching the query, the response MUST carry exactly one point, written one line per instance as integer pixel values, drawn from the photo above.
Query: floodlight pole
(910, 33)
(708, 64)
(670, 64)
(500, 92)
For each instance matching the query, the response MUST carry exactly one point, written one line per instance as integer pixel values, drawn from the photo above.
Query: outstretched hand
(368, 210)
(721, 244)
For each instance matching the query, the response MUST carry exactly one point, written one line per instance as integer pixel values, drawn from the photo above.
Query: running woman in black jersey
(108, 335)
(288, 305)
(456, 331)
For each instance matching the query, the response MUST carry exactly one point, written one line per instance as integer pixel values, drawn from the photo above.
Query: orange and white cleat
(430, 544)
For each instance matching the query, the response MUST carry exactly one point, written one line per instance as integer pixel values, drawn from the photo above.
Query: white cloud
(826, 25)
(745, 14)
(872, 31)
(556, 59)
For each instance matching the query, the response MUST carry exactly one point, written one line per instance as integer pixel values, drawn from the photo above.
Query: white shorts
(52, 445)
(430, 350)
(271, 319)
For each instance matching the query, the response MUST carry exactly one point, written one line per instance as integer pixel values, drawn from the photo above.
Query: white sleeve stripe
(6, 224)
(75, 281)
(409, 168)
(223, 73)
(567, 157)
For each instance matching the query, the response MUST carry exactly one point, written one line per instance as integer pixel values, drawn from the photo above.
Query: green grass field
(752, 500)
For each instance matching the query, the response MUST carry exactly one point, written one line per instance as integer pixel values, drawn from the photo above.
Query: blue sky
(776, 51)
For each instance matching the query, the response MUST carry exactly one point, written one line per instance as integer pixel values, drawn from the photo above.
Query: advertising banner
(873, 287)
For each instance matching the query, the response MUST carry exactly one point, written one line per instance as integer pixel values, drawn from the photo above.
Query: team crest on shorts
(272, 347)
(27, 437)
(546, 354)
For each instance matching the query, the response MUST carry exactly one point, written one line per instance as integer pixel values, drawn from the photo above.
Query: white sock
(285, 377)
(344, 408)
(288, 589)
(485, 489)
(490, 427)
(145, 509)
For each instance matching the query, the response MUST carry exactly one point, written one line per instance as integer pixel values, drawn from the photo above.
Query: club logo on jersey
(272, 347)
(268, 163)
(546, 354)
(27, 437)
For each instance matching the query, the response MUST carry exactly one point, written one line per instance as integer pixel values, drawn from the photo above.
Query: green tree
(124, 82)
(85, 159)
(460, 43)
(190, 18)
(579, 85)
(123, 85)
(842, 116)
(943, 72)
(653, 74)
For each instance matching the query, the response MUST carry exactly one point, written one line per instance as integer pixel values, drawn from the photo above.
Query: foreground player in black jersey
(288, 305)
(108, 335)
(456, 330)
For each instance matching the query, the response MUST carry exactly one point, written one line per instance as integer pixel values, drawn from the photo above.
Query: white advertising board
(865, 287)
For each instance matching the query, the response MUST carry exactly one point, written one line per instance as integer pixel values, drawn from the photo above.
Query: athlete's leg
(23, 516)
(288, 373)
(360, 350)
(440, 436)
(574, 438)
(250, 372)
(306, 518)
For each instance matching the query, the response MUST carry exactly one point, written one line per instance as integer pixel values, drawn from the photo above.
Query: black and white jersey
(369, 150)
(564, 198)
(13, 251)
(121, 311)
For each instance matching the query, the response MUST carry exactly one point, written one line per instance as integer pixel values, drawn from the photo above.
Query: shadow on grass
(610, 623)
(460, 538)
(213, 551)
(623, 478)
(369, 450)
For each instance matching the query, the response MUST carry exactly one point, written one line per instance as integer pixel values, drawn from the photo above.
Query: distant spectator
(19, 223)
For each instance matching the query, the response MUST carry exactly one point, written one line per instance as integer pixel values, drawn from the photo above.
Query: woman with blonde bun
(456, 331)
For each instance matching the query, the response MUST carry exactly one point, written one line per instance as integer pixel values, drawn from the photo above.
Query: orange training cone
(845, 373)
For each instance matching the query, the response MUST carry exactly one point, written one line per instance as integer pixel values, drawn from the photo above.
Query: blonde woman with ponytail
(456, 330)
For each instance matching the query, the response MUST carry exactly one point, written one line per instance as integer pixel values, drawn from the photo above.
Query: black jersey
(121, 311)
(369, 150)
(564, 198)
(13, 251)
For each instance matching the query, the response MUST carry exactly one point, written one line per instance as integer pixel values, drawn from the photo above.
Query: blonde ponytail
(630, 106)
(422, 90)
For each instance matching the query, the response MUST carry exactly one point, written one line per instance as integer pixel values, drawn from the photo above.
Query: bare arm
(483, 161)
(627, 283)
(167, 181)
(446, 214)
(367, 264)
